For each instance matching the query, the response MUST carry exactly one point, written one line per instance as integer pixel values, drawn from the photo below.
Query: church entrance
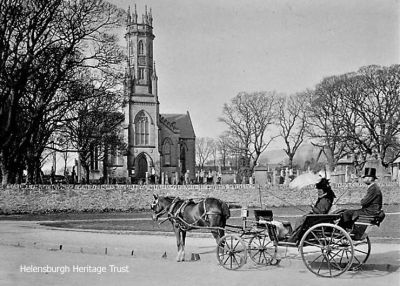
(142, 168)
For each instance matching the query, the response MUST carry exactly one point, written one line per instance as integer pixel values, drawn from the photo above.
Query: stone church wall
(166, 133)
(69, 198)
(191, 157)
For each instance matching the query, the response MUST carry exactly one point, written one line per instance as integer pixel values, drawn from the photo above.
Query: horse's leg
(183, 242)
(178, 242)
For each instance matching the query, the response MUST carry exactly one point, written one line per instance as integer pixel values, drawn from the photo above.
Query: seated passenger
(322, 206)
(371, 204)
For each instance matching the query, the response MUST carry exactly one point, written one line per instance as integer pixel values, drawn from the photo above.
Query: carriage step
(286, 243)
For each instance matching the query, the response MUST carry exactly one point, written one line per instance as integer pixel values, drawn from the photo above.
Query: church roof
(181, 122)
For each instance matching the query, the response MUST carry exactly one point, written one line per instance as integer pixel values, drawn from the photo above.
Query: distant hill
(278, 156)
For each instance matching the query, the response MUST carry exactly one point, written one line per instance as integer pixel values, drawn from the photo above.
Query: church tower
(142, 105)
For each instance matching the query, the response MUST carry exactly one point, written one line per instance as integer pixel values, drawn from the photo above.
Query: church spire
(128, 17)
(151, 18)
(154, 75)
(154, 80)
(135, 15)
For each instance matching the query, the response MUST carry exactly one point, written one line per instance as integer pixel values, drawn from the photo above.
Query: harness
(176, 215)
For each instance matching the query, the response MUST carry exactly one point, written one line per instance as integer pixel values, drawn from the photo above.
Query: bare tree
(378, 108)
(225, 148)
(325, 125)
(95, 124)
(293, 122)
(248, 117)
(204, 150)
(358, 113)
(42, 44)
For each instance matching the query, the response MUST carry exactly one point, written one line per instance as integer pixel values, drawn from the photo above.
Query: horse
(186, 215)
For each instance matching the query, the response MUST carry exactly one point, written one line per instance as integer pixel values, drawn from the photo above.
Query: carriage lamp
(244, 212)
(244, 215)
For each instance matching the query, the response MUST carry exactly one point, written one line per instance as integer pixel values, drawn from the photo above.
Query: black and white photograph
(199, 142)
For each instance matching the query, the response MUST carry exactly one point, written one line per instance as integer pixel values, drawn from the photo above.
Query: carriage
(326, 249)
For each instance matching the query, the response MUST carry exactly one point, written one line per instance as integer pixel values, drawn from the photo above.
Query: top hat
(370, 172)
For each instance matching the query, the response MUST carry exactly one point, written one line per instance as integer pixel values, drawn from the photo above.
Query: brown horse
(186, 215)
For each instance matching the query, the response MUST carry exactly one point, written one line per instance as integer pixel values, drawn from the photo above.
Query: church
(160, 147)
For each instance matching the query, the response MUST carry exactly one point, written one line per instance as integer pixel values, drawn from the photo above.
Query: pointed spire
(154, 75)
(151, 18)
(154, 80)
(128, 17)
(135, 15)
(146, 16)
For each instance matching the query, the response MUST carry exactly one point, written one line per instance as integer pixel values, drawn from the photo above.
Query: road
(93, 258)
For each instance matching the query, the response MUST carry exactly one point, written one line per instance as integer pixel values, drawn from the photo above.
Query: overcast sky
(207, 51)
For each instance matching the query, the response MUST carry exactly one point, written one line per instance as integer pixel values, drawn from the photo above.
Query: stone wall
(40, 199)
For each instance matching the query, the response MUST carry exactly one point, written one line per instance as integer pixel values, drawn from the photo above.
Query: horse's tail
(226, 213)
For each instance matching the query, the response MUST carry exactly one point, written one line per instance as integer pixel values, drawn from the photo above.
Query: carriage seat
(364, 223)
(313, 219)
(262, 217)
(371, 219)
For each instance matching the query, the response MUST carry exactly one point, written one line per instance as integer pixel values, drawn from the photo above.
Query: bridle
(165, 210)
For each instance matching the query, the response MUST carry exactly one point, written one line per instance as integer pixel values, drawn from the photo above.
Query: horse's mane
(169, 198)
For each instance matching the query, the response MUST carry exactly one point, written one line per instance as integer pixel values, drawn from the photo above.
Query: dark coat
(371, 205)
(322, 206)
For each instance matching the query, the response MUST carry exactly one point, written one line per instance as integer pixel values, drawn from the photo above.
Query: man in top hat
(371, 204)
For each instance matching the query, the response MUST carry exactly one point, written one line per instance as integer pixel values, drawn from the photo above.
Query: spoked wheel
(262, 250)
(327, 250)
(362, 249)
(231, 252)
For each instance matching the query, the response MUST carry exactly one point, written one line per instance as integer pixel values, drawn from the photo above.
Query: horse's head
(159, 206)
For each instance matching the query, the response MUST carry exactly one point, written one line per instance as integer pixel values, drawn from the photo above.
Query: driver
(371, 204)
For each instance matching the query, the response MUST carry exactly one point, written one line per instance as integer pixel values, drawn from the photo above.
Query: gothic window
(141, 48)
(167, 152)
(132, 50)
(150, 49)
(141, 129)
(141, 73)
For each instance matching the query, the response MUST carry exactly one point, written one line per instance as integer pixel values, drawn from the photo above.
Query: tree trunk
(87, 169)
(4, 174)
(291, 156)
(105, 170)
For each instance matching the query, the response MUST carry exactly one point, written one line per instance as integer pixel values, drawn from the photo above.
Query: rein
(341, 196)
(283, 200)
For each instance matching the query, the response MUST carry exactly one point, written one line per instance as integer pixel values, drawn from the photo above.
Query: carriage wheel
(231, 252)
(362, 249)
(262, 250)
(327, 250)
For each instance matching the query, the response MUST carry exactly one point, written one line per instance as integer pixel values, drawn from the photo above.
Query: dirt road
(88, 258)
